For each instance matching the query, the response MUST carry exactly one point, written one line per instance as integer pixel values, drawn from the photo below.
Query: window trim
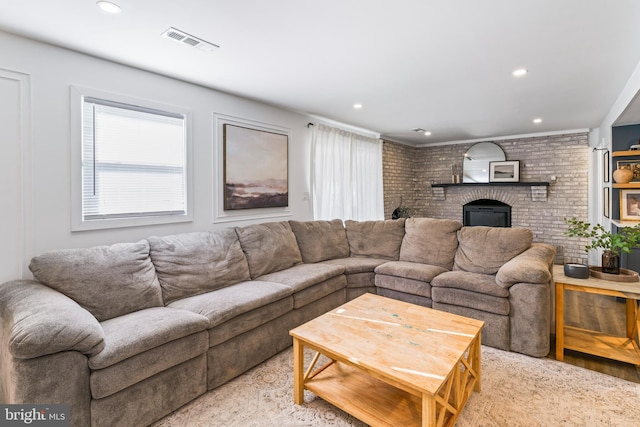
(78, 223)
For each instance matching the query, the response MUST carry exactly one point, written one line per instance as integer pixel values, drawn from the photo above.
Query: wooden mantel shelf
(485, 184)
(538, 189)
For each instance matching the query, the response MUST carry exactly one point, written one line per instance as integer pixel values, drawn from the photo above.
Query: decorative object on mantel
(611, 243)
(504, 171)
(456, 172)
(623, 175)
(475, 162)
(624, 276)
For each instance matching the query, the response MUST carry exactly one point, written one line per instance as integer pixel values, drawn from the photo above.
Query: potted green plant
(612, 243)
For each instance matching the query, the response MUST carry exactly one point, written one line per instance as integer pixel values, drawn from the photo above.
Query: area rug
(517, 390)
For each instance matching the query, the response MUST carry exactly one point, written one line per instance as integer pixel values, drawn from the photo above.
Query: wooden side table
(624, 349)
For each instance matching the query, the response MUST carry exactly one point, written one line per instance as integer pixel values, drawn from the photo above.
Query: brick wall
(399, 175)
(563, 156)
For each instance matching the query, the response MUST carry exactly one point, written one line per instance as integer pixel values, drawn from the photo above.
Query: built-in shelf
(627, 185)
(621, 224)
(627, 153)
(498, 184)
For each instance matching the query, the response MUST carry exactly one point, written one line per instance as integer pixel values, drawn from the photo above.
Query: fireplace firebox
(492, 213)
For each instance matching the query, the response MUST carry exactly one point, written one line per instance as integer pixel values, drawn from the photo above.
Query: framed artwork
(630, 205)
(634, 165)
(606, 200)
(605, 166)
(255, 168)
(504, 171)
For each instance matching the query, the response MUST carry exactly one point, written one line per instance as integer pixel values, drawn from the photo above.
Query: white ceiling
(444, 66)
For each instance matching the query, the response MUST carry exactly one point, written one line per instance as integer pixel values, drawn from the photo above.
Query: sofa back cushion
(321, 240)
(194, 263)
(108, 281)
(375, 239)
(430, 241)
(269, 247)
(485, 249)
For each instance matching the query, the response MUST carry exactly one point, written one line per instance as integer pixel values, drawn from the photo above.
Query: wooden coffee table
(390, 363)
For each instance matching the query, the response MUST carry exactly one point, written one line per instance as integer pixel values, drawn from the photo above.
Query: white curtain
(346, 175)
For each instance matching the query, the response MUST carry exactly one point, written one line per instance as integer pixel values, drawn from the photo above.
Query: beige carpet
(517, 391)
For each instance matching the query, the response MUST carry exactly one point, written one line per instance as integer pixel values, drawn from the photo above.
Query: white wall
(49, 72)
(604, 140)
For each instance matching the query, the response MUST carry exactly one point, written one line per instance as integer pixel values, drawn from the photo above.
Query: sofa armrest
(532, 266)
(36, 320)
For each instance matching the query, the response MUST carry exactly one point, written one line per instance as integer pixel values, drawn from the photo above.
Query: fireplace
(492, 213)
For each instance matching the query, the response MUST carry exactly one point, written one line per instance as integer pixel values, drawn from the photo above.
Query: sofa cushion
(376, 239)
(249, 320)
(474, 300)
(112, 379)
(108, 281)
(474, 282)
(309, 282)
(193, 263)
(321, 240)
(269, 247)
(302, 276)
(135, 333)
(410, 270)
(227, 303)
(430, 241)
(402, 284)
(357, 265)
(485, 249)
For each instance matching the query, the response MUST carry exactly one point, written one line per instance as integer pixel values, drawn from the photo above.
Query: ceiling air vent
(184, 38)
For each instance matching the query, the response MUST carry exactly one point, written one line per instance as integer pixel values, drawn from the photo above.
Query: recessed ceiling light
(520, 72)
(357, 106)
(107, 6)
(427, 133)
(536, 121)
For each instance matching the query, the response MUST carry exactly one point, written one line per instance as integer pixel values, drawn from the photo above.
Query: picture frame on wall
(255, 168)
(508, 171)
(630, 205)
(605, 167)
(606, 202)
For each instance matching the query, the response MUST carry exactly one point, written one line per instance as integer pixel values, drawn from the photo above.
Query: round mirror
(475, 163)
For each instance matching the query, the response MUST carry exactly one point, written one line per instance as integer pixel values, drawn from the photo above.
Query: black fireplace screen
(492, 213)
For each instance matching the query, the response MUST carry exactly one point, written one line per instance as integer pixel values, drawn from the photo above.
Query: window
(134, 165)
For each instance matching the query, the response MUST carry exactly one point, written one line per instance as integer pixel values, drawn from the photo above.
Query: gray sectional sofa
(129, 332)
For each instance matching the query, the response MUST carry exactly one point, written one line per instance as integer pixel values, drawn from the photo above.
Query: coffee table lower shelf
(366, 398)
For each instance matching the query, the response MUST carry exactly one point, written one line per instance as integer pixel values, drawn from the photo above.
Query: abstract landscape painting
(255, 168)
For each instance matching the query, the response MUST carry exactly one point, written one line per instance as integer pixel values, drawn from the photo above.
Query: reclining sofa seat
(364, 245)
(496, 275)
(146, 352)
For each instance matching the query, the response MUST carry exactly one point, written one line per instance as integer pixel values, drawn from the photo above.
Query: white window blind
(133, 161)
